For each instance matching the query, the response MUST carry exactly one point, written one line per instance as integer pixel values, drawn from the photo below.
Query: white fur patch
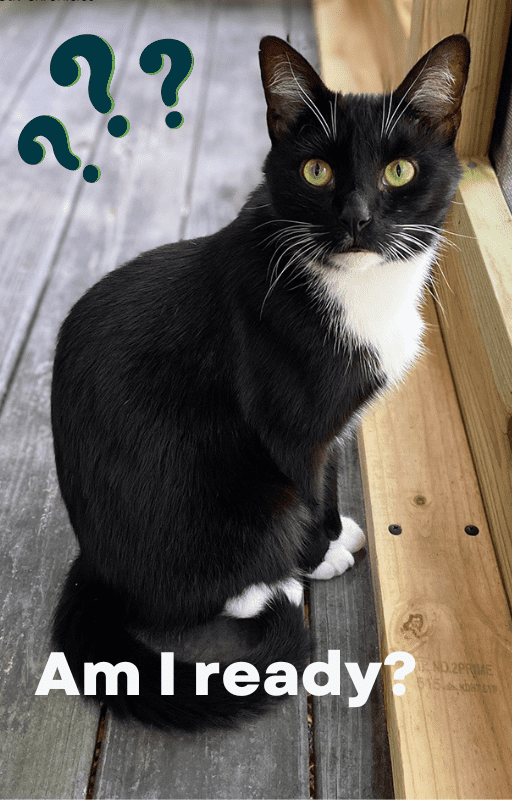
(287, 82)
(339, 555)
(376, 303)
(255, 598)
(435, 96)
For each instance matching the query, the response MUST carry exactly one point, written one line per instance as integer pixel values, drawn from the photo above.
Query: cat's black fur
(196, 399)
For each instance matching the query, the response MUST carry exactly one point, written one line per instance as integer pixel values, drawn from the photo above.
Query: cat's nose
(356, 214)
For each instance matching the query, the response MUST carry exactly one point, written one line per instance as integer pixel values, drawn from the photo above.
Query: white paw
(339, 555)
(255, 598)
(352, 537)
(250, 602)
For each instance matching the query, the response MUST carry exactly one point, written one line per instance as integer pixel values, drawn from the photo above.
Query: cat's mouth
(352, 244)
(352, 248)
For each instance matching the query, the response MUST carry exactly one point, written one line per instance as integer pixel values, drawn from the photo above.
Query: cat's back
(163, 293)
(149, 333)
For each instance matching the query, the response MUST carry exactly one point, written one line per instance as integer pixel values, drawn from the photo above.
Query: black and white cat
(200, 391)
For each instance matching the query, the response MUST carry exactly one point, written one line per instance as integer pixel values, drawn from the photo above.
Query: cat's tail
(87, 628)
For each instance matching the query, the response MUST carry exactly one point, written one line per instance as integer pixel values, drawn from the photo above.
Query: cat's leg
(330, 547)
(338, 556)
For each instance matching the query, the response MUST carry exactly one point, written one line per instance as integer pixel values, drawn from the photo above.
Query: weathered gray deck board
(156, 185)
(22, 53)
(343, 618)
(49, 741)
(37, 202)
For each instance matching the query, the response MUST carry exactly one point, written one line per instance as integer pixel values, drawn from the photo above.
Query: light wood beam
(487, 24)
(440, 592)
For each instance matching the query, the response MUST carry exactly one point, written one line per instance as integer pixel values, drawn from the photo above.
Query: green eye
(399, 172)
(317, 172)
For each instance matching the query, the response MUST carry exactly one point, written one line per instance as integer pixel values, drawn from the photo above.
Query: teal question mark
(65, 71)
(182, 62)
(33, 152)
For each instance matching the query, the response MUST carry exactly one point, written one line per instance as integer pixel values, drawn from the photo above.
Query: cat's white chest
(375, 303)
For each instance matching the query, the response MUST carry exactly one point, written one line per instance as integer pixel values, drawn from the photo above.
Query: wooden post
(439, 590)
(487, 24)
(439, 593)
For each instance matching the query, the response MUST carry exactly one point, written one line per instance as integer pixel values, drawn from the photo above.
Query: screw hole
(471, 530)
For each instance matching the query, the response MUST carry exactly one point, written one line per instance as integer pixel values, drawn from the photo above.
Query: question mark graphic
(33, 152)
(409, 664)
(66, 71)
(152, 62)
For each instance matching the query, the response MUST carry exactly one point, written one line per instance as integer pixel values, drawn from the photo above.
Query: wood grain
(431, 22)
(343, 618)
(37, 202)
(439, 591)
(500, 151)
(487, 26)
(476, 297)
(47, 742)
(362, 45)
(486, 23)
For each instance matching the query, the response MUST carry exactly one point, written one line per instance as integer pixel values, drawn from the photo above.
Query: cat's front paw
(351, 536)
(339, 555)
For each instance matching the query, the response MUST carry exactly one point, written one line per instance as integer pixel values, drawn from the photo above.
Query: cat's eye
(317, 172)
(399, 172)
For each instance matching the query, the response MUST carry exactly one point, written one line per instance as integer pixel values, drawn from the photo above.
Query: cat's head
(370, 172)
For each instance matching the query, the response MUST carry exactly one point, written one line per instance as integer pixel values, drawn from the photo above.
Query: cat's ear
(435, 85)
(289, 83)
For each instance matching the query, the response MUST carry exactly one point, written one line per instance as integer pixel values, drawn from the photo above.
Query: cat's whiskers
(292, 245)
(407, 238)
(440, 243)
(292, 240)
(440, 234)
(306, 258)
(443, 231)
(300, 242)
(434, 291)
(300, 229)
(277, 220)
(391, 253)
(296, 259)
(440, 272)
(401, 247)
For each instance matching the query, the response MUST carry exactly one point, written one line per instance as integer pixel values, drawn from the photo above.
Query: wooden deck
(59, 235)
